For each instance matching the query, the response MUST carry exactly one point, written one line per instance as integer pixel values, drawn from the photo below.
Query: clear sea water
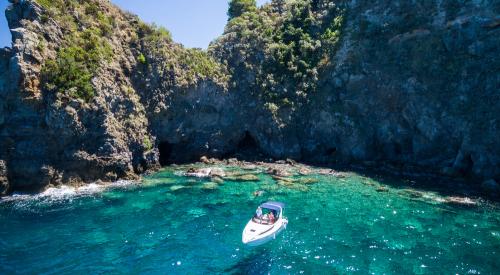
(171, 224)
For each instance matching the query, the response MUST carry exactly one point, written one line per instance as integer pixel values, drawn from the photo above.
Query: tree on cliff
(239, 7)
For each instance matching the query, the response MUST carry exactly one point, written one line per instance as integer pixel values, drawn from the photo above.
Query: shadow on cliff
(420, 181)
(247, 149)
(165, 149)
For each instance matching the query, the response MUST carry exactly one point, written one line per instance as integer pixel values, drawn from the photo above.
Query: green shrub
(74, 67)
(68, 73)
(141, 59)
(238, 7)
(82, 53)
(47, 4)
(105, 23)
(92, 9)
(287, 45)
(148, 145)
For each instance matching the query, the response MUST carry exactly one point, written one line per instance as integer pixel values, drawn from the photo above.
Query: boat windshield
(267, 216)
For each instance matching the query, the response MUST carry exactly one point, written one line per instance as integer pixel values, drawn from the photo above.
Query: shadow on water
(441, 185)
(258, 262)
(419, 181)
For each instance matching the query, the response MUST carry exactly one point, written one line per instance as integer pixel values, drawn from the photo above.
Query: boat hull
(256, 240)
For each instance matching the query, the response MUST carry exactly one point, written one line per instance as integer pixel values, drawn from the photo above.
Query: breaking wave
(63, 193)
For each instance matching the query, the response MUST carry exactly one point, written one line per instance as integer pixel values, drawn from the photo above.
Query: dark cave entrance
(331, 151)
(165, 150)
(247, 143)
(247, 148)
(467, 166)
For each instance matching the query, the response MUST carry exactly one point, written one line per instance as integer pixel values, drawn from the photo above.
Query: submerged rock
(280, 172)
(412, 193)
(284, 182)
(217, 180)
(307, 181)
(294, 181)
(245, 177)
(210, 185)
(382, 189)
(283, 179)
(176, 187)
(258, 193)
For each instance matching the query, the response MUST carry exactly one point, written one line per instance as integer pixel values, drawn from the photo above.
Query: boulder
(280, 172)
(198, 173)
(217, 172)
(205, 160)
(245, 177)
(176, 187)
(210, 186)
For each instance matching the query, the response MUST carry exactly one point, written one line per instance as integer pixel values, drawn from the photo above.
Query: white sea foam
(65, 192)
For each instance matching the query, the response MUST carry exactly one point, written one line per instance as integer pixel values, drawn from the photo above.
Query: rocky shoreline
(410, 96)
(289, 173)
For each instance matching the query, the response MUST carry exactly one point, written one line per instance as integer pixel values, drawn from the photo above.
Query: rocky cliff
(90, 92)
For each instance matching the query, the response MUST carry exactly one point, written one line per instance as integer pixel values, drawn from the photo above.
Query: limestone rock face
(410, 85)
(52, 138)
(4, 182)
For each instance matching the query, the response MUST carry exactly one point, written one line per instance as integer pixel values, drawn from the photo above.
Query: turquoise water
(172, 224)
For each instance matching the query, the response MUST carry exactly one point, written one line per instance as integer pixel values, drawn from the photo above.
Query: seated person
(271, 217)
(258, 214)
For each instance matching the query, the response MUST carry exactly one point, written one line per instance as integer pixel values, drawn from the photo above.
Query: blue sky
(193, 23)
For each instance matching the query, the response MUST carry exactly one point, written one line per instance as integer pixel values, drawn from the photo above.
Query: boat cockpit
(268, 213)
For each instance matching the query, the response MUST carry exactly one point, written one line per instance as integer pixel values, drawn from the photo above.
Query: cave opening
(467, 166)
(331, 151)
(165, 150)
(247, 148)
(247, 143)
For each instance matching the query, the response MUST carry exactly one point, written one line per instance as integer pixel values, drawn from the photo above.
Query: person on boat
(271, 217)
(258, 213)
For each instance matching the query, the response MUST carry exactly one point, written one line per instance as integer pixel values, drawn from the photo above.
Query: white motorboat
(265, 225)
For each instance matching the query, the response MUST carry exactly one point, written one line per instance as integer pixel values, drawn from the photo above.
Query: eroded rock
(4, 182)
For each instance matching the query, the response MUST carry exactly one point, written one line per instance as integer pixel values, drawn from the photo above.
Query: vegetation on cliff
(281, 48)
(239, 7)
(85, 47)
(88, 46)
(183, 66)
